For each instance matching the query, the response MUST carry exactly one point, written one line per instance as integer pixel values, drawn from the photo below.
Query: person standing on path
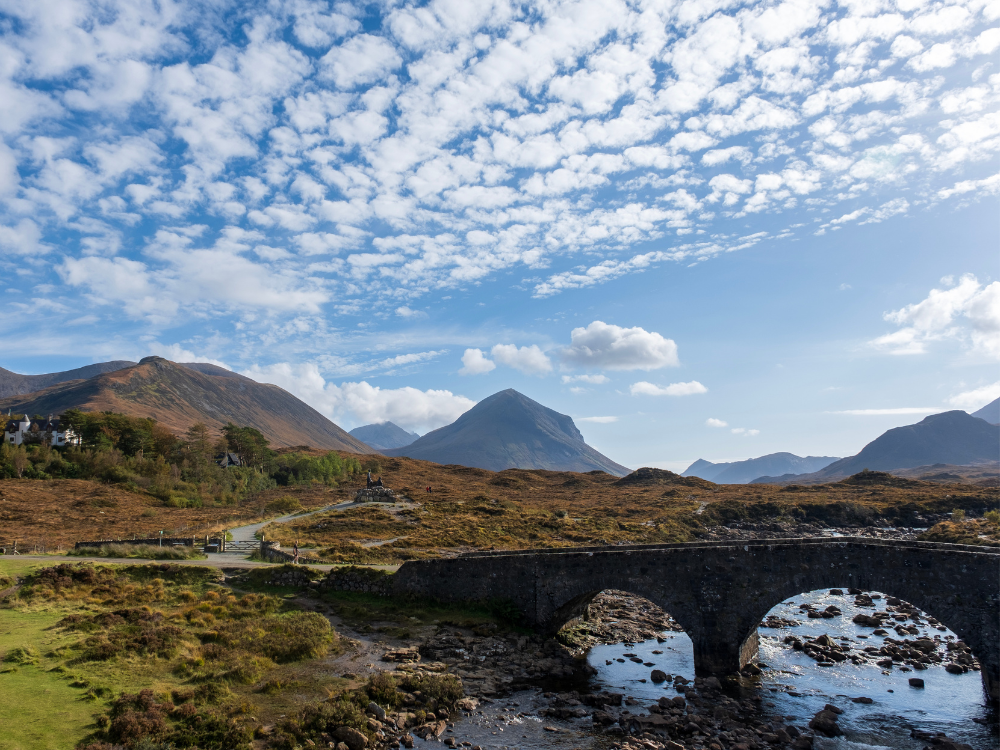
(295, 553)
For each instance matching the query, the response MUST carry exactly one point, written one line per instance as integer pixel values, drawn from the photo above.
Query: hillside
(508, 430)
(384, 436)
(990, 412)
(952, 437)
(177, 396)
(743, 472)
(14, 384)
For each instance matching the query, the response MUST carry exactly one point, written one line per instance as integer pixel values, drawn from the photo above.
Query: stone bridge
(720, 591)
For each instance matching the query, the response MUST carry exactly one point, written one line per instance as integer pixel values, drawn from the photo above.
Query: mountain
(13, 384)
(384, 436)
(743, 472)
(990, 412)
(180, 395)
(510, 431)
(952, 437)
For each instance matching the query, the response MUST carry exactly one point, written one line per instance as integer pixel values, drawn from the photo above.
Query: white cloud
(527, 359)
(712, 422)
(598, 420)
(611, 347)
(976, 398)
(902, 410)
(361, 403)
(474, 362)
(592, 379)
(361, 59)
(965, 311)
(642, 388)
(745, 432)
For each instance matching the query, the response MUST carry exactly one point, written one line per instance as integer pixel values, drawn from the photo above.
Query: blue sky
(702, 228)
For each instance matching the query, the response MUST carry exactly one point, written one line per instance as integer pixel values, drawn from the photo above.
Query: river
(792, 687)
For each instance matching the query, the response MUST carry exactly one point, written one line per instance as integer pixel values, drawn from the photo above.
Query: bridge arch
(719, 592)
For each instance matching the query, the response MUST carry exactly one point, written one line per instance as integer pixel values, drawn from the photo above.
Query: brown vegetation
(470, 508)
(478, 509)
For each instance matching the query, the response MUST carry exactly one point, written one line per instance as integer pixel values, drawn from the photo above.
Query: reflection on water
(793, 686)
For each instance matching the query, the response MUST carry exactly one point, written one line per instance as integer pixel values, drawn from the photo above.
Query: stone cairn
(375, 495)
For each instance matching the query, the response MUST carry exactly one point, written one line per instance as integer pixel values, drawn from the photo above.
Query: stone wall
(362, 580)
(272, 552)
(719, 592)
(167, 541)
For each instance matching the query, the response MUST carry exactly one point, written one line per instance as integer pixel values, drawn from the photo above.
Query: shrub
(993, 516)
(381, 688)
(283, 505)
(134, 717)
(283, 638)
(21, 656)
(444, 688)
(958, 515)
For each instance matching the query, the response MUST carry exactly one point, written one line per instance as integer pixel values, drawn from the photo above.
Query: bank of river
(791, 689)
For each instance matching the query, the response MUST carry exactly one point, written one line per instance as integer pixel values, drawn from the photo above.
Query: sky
(701, 228)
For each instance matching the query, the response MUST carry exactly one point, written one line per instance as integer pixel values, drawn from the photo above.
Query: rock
(658, 675)
(351, 737)
(802, 742)
(406, 739)
(712, 683)
(671, 745)
(377, 710)
(467, 704)
(862, 699)
(833, 708)
(341, 746)
(954, 669)
(866, 621)
(825, 722)
(450, 742)
(836, 592)
(916, 682)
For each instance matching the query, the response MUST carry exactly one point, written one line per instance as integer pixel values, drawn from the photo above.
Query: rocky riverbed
(523, 691)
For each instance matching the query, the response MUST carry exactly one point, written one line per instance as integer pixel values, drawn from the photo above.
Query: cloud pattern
(172, 159)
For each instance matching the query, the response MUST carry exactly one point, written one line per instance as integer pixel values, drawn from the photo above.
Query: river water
(792, 686)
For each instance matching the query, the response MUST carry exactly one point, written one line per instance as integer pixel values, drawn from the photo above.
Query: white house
(51, 431)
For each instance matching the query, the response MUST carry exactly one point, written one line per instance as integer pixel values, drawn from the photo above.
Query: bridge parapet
(720, 591)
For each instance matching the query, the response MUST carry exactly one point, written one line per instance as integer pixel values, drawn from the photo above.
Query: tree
(200, 441)
(248, 443)
(19, 458)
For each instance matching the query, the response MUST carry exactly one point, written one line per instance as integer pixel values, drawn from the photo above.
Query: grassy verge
(91, 655)
(140, 551)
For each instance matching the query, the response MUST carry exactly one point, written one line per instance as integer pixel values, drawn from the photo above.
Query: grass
(140, 551)
(40, 709)
(122, 652)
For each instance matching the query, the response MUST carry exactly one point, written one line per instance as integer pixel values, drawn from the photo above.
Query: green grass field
(39, 709)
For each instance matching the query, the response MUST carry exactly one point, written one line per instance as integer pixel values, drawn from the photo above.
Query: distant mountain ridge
(743, 472)
(951, 437)
(384, 436)
(990, 412)
(179, 395)
(15, 384)
(508, 430)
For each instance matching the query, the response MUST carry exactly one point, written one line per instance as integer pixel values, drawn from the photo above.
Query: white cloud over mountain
(644, 388)
(611, 347)
(279, 159)
(964, 310)
(360, 403)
